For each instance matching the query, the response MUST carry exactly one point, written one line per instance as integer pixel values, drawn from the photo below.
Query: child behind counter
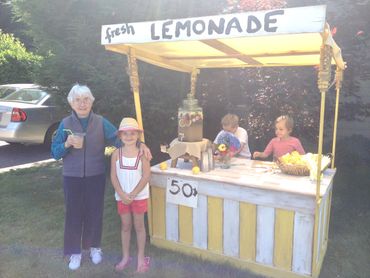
(230, 123)
(130, 173)
(283, 143)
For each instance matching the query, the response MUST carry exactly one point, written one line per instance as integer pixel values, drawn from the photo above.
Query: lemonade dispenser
(190, 120)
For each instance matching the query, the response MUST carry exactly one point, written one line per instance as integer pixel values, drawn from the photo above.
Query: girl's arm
(259, 154)
(299, 147)
(144, 179)
(115, 182)
(266, 153)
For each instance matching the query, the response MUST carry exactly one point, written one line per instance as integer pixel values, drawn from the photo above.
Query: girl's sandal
(144, 267)
(122, 266)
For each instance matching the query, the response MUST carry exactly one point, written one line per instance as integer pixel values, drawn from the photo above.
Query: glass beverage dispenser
(190, 120)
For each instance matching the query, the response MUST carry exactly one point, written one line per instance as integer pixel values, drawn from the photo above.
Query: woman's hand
(69, 142)
(146, 151)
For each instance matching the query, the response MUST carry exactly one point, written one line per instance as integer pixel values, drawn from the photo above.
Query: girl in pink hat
(130, 173)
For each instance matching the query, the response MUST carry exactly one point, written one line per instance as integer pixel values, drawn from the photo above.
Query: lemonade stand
(251, 215)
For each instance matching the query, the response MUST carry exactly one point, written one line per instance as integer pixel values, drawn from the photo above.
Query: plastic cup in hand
(78, 140)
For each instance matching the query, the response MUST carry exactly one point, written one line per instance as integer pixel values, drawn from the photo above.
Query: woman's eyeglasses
(82, 100)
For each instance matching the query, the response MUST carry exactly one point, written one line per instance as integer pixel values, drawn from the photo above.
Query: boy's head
(230, 122)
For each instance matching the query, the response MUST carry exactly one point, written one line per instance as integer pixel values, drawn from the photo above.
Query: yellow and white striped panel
(322, 229)
(250, 225)
(215, 224)
(248, 214)
(158, 206)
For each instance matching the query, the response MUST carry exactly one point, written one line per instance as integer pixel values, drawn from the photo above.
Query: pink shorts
(137, 206)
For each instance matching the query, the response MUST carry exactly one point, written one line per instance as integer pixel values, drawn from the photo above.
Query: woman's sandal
(122, 266)
(144, 267)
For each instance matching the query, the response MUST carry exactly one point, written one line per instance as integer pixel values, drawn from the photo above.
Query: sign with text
(182, 192)
(310, 19)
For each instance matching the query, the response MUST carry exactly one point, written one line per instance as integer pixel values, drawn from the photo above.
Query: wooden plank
(258, 269)
(265, 235)
(215, 215)
(248, 231)
(328, 218)
(172, 222)
(231, 228)
(302, 243)
(200, 216)
(249, 174)
(322, 227)
(284, 226)
(240, 193)
(158, 212)
(186, 224)
(230, 51)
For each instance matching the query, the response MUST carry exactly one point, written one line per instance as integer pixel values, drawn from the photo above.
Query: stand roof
(282, 37)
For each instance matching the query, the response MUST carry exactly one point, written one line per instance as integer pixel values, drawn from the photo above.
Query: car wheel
(49, 134)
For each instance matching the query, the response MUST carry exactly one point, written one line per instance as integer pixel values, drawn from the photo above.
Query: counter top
(253, 174)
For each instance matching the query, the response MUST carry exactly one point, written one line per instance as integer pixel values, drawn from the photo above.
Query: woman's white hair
(79, 91)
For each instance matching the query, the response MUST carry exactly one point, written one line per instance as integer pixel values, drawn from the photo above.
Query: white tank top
(129, 172)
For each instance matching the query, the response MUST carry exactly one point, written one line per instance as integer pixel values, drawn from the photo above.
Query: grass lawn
(31, 234)
(32, 220)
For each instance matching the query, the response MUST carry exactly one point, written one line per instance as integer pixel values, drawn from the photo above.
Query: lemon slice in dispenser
(182, 123)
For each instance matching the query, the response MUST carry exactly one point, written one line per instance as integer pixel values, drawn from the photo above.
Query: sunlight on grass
(31, 234)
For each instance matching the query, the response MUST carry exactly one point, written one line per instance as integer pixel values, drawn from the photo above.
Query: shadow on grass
(31, 232)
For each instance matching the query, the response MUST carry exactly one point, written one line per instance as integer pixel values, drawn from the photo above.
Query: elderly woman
(80, 140)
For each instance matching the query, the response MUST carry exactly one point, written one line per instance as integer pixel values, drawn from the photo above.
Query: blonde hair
(289, 123)
(79, 91)
(231, 120)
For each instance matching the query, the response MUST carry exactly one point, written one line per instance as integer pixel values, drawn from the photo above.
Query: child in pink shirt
(283, 143)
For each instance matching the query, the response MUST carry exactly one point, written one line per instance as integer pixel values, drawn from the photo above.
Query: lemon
(195, 170)
(163, 165)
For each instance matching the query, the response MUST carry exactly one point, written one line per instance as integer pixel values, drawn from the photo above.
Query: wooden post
(135, 85)
(323, 85)
(338, 85)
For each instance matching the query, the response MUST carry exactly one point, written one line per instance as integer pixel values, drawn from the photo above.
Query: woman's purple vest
(90, 160)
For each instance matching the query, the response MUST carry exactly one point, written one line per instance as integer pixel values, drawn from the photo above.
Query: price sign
(182, 192)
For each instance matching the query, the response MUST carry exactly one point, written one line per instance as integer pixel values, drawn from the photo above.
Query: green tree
(17, 65)
(67, 33)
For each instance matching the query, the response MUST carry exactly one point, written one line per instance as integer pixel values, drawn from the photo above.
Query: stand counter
(250, 215)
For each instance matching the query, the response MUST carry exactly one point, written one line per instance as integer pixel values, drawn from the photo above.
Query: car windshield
(4, 91)
(26, 95)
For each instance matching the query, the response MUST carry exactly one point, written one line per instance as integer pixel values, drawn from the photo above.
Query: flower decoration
(222, 147)
(227, 146)
(253, 5)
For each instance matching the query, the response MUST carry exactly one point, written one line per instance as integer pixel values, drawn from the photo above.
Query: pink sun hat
(128, 124)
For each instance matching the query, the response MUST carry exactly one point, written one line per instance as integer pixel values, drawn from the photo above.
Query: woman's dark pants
(84, 203)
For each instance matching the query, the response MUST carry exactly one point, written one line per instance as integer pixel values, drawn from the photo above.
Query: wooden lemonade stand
(251, 215)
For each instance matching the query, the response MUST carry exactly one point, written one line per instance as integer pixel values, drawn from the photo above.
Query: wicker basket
(296, 170)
